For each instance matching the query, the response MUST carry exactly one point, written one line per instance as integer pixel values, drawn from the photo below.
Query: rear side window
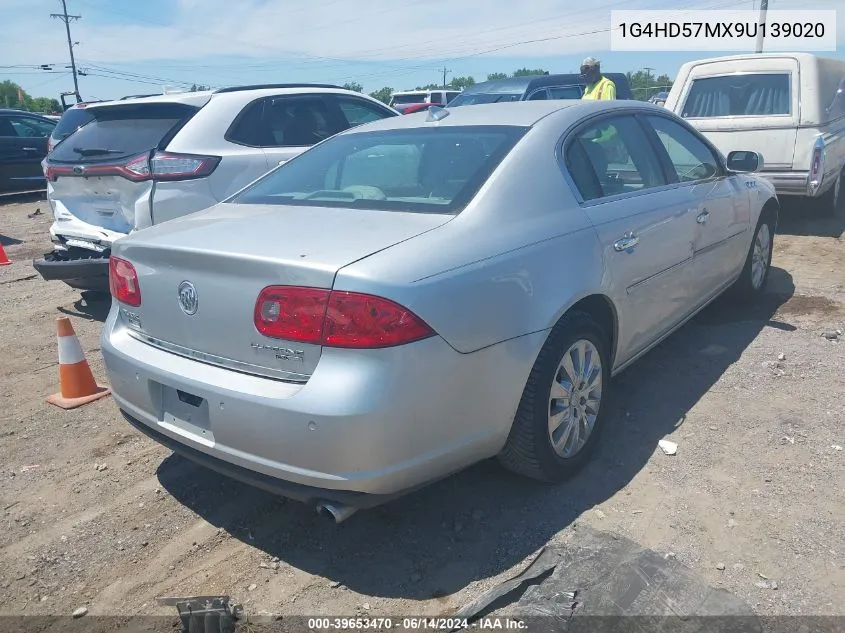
(434, 170)
(27, 127)
(72, 120)
(121, 131)
(286, 121)
(358, 111)
(764, 94)
(566, 92)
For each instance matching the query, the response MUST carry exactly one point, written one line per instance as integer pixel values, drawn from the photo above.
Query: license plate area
(186, 411)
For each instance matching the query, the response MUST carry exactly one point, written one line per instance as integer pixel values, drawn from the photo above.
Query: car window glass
(764, 94)
(435, 170)
(72, 120)
(436, 98)
(358, 112)
(28, 128)
(299, 121)
(540, 95)
(565, 92)
(121, 131)
(611, 157)
(690, 157)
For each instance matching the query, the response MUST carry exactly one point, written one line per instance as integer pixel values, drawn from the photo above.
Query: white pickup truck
(788, 107)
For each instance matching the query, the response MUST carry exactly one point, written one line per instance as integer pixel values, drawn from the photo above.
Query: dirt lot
(756, 487)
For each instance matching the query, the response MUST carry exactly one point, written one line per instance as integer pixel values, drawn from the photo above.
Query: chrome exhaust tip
(336, 511)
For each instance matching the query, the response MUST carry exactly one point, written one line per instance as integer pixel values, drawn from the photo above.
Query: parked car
(402, 100)
(418, 107)
(420, 293)
(534, 88)
(23, 145)
(788, 106)
(659, 98)
(143, 161)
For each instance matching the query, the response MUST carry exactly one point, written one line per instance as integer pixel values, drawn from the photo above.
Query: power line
(64, 17)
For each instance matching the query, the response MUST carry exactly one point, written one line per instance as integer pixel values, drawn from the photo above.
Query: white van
(788, 107)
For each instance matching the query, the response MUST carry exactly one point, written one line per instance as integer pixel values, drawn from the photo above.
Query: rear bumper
(78, 271)
(370, 422)
(787, 183)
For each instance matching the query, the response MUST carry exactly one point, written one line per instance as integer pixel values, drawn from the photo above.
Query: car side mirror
(745, 161)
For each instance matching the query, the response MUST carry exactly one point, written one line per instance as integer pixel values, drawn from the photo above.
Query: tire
(750, 284)
(828, 203)
(529, 449)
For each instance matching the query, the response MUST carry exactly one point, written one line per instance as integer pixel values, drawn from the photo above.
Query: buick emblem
(188, 300)
(78, 169)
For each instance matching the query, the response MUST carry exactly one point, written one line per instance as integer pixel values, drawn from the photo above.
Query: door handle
(29, 149)
(702, 217)
(627, 243)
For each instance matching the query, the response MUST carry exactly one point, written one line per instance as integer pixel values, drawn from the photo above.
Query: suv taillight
(123, 282)
(163, 166)
(335, 318)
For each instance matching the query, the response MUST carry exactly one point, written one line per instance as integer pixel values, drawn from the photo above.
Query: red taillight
(169, 166)
(335, 318)
(123, 282)
(162, 166)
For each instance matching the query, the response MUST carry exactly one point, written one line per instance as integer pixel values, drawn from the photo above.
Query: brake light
(50, 144)
(335, 318)
(163, 166)
(169, 166)
(123, 282)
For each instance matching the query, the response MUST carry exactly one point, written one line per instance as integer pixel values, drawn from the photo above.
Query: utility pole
(64, 17)
(445, 70)
(761, 25)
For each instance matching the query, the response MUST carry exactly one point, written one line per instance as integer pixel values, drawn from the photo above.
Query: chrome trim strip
(715, 245)
(219, 361)
(634, 287)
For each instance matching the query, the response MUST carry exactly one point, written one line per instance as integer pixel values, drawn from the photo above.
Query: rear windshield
(71, 120)
(121, 131)
(476, 98)
(403, 99)
(764, 94)
(434, 170)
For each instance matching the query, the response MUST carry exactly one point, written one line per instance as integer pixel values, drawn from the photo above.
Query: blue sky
(137, 47)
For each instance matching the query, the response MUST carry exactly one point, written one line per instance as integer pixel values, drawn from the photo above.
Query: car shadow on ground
(482, 521)
(90, 305)
(797, 217)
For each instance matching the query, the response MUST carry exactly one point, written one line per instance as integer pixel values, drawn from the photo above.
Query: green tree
(494, 76)
(644, 85)
(199, 88)
(353, 85)
(383, 94)
(458, 83)
(526, 72)
(13, 96)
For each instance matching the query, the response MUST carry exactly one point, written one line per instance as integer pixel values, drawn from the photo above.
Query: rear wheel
(752, 280)
(560, 415)
(828, 203)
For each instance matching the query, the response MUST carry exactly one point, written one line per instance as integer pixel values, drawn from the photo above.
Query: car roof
(201, 97)
(516, 113)
(14, 111)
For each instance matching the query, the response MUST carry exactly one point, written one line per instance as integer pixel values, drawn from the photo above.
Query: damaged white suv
(149, 160)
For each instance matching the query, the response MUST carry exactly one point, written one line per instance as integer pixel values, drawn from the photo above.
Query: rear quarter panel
(510, 264)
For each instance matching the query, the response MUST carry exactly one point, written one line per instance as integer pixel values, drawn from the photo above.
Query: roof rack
(266, 86)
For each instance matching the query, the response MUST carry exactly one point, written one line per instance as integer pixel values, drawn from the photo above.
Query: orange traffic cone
(76, 381)
(4, 261)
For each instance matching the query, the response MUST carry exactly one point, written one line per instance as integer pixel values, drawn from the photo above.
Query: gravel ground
(96, 515)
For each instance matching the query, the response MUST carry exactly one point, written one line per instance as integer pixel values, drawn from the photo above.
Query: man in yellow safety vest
(598, 87)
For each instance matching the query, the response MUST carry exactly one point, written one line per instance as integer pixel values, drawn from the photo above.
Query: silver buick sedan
(421, 293)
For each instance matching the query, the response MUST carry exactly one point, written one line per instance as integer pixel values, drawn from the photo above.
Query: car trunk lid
(229, 254)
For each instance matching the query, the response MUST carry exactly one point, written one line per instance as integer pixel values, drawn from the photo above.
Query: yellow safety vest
(603, 89)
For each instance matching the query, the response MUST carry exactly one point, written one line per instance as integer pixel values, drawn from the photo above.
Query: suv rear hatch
(265, 245)
(102, 177)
